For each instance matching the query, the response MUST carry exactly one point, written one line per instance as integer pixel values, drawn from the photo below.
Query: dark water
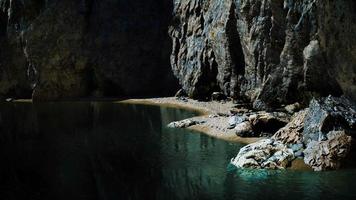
(109, 151)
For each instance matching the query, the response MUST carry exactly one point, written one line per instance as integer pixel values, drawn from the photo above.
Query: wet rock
(292, 133)
(329, 114)
(244, 129)
(328, 154)
(264, 154)
(184, 123)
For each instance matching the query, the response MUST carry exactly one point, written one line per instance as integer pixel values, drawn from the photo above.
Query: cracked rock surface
(266, 52)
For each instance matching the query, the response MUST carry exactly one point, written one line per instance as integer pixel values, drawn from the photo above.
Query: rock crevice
(288, 49)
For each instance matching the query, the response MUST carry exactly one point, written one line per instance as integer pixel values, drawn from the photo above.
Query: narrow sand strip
(214, 126)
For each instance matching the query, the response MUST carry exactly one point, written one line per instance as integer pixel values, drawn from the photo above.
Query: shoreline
(209, 127)
(213, 127)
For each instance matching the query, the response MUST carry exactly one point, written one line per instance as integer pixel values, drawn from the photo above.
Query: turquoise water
(113, 151)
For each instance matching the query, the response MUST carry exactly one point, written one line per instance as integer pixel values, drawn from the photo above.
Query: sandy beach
(213, 113)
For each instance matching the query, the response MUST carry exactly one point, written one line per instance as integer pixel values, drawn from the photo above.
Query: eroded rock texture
(69, 49)
(264, 154)
(322, 135)
(268, 52)
(328, 154)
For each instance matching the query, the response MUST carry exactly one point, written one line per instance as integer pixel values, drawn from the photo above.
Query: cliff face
(68, 49)
(268, 52)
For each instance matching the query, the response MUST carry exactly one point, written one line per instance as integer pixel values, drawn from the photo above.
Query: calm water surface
(111, 151)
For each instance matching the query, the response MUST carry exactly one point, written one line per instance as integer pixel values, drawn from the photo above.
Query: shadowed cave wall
(89, 48)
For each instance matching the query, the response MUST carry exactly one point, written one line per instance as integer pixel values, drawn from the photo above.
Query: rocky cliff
(262, 51)
(266, 52)
(55, 49)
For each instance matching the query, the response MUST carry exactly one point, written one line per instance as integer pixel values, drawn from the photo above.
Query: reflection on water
(111, 151)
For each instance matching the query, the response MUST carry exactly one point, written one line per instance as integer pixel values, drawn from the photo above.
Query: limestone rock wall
(268, 52)
(263, 51)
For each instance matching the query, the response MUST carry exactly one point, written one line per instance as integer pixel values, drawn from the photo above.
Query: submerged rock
(264, 154)
(328, 154)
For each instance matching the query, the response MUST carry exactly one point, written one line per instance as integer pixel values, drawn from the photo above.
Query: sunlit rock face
(64, 48)
(268, 52)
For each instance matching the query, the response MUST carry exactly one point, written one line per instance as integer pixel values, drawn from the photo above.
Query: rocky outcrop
(207, 53)
(69, 49)
(328, 127)
(321, 135)
(292, 133)
(329, 114)
(267, 52)
(256, 124)
(328, 154)
(264, 154)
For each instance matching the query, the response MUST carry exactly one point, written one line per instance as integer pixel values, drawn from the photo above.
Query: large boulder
(245, 129)
(292, 133)
(329, 114)
(264, 154)
(328, 154)
(320, 134)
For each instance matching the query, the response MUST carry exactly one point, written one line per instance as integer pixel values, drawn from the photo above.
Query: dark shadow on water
(89, 150)
(107, 151)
